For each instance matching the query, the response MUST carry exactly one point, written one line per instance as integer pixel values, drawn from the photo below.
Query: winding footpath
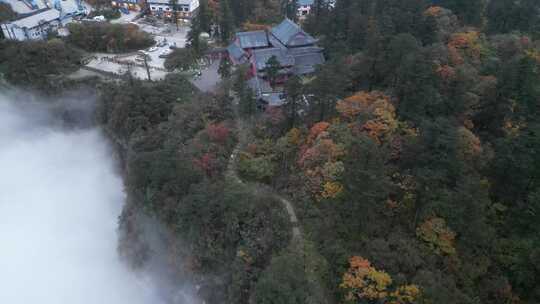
(298, 240)
(232, 173)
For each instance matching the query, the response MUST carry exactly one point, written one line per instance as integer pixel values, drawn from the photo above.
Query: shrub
(106, 37)
(182, 59)
(37, 64)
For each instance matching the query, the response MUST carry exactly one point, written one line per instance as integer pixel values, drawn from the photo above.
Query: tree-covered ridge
(177, 144)
(417, 150)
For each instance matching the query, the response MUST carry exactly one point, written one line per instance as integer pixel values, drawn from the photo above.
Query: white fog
(59, 204)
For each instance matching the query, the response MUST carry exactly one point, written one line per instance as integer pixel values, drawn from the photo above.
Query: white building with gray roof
(32, 27)
(37, 18)
(163, 8)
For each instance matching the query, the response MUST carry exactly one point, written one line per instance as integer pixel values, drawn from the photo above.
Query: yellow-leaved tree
(320, 161)
(362, 281)
(439, 237)
(377, 114)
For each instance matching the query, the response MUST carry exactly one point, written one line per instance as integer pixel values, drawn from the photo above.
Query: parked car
(165, 53)
(162, 43)
(99, 18)
(153, 49)
(173, 46)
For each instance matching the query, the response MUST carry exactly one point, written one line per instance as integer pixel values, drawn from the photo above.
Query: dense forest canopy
(417, 156)
(411, 155)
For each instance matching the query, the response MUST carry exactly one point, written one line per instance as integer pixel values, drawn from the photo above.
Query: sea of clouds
(60, 199)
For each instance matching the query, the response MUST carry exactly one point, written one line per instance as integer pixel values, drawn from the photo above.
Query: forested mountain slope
(416, 163)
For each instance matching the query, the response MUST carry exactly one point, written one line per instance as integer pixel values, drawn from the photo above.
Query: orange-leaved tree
(373, 110)
(320, 161)
(439, 237)
(465, 45)
(362, 281)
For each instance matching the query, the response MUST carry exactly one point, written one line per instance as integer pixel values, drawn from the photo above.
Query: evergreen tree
(329, 85)
(174, 6)
(239, 79)
(505, 16)
(247, 102)
(226, 21)
(272, 70)
(285, 281)
(316, 20)
(290, 9)
(268, 11)
(470, 11)
(194, 36)
(293, 90)
(224, 69)
(182, 59)
(204, 17)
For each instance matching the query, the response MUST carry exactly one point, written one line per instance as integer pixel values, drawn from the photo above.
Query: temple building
(294, 49)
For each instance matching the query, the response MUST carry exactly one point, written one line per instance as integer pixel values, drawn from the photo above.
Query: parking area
(208, 78)
(166, 35)
(125, 18)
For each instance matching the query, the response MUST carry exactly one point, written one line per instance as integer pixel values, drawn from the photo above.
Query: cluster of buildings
(295, 50)
(161, 8)
(39, 17)
(187, 8)
(36, 18)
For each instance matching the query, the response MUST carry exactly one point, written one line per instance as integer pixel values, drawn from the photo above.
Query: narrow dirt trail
(298, 240)
(232, 173)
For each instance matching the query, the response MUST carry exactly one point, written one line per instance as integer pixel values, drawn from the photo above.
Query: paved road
(209, 79)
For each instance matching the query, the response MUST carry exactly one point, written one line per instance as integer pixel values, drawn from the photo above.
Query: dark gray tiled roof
(306, 63)
(260, 57)
(305, 50)
(304, 69)
(236, 52)
(276, 43)
(290, 34)
(255, 39)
